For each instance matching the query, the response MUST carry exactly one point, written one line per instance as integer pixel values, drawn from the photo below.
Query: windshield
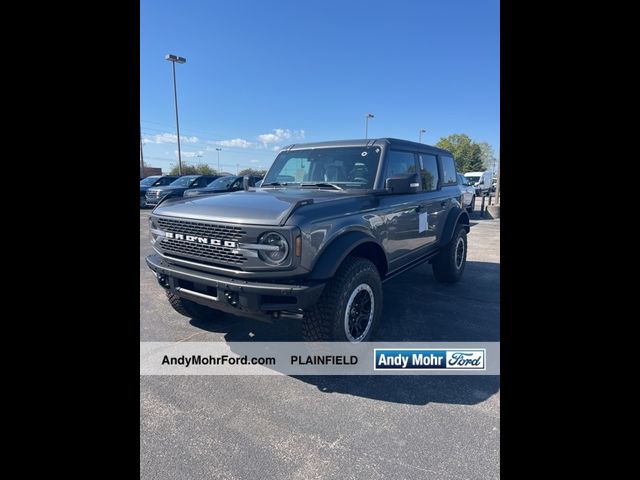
(222, 183)
(184, 181)
(146, 182)
(472, 180)
(347, 167)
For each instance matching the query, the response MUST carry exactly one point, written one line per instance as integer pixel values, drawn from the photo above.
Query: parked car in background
(468, 193)
(177, 188)
(231, 183)
(154, 181)
(481, 181)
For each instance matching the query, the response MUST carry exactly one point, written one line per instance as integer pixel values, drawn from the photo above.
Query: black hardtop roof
(392, 142)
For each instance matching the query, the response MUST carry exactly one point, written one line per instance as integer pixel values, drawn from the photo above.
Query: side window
(429, 172)
(448, 170)
(237, 185)
(199, 183)
(399, 163)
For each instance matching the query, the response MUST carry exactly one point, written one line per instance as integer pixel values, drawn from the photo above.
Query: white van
(482, 181)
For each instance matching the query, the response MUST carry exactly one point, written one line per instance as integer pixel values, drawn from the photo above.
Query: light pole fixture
(422, 130)
(175, 59)
(366, 125)
(218, 149)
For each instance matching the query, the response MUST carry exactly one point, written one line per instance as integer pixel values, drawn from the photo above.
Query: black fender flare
(456, 215)
(336, 251)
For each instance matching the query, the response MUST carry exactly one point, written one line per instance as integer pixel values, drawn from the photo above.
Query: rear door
(449, 190)
(433, 201)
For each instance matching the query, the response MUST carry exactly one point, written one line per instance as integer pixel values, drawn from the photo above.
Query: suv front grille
(199, 251)
(210, 230)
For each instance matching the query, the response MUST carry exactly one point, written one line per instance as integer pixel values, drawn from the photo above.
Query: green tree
(467, 153)
(487, 155)
(199, 169)
(251, 171)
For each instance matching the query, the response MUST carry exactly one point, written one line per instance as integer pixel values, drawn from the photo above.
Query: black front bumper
(253, 299)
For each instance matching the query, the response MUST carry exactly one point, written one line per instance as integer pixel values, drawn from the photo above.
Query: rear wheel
(449, 265)
(191, 309)
(350, 305)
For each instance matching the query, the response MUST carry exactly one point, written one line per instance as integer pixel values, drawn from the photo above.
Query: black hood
(260, 207)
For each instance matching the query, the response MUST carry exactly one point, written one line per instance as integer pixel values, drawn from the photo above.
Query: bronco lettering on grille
(204, 240)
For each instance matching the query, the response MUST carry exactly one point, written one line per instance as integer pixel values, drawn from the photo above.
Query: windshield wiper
(322, 184)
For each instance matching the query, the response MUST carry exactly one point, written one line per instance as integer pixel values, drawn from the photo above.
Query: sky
(261, 75)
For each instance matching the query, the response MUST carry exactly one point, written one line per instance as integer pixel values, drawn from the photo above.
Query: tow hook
(232, 298)
(162, 280)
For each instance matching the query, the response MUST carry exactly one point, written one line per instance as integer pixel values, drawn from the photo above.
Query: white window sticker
(423, 222)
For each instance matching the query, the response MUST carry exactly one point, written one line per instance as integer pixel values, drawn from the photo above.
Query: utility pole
(218, 149)
(498, 181)
(422, 130)
(175, 59)
(141, 156)
(366, 125)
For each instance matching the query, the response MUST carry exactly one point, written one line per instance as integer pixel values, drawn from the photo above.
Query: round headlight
(273, 255)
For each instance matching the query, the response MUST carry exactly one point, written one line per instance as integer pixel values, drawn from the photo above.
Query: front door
(402, 213)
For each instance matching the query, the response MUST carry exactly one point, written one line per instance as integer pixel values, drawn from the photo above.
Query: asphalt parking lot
(410, 427)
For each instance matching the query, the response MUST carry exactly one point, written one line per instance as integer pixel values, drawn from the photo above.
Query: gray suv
(330, 223)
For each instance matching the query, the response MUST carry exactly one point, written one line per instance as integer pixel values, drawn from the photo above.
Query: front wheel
(449, 265)
(349, 307)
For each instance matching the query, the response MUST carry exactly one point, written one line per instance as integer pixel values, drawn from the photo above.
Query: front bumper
(252, 299)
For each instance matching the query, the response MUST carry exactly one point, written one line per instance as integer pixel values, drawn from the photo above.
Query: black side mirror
(248, 181)
(406, 183)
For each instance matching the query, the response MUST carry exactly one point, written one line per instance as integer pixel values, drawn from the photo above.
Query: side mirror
(407, 183)
(248, 181)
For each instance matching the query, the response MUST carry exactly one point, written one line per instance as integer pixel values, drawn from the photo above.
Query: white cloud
(254, 161)
(168, 138)
(277, 148)
(280, 134)
(189, 154)
(234, 143)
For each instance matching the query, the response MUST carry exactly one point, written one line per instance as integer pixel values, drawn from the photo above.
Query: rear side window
(448, 170)
(429, 172)
(399, 163)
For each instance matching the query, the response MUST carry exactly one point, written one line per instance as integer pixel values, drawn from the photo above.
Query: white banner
(319, 358)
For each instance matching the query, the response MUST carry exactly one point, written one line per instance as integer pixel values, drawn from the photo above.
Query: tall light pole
(237, 168)
(218, 150)
(141, 156)
(366, 125)
(175, 59)
(422, 130)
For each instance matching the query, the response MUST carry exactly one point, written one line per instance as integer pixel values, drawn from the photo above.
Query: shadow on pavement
(416, 308)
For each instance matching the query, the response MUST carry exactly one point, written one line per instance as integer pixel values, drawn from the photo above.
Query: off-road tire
(191, 309)
(325, 321)
(446, 266)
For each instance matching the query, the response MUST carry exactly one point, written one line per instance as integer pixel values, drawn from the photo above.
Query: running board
(410, 265)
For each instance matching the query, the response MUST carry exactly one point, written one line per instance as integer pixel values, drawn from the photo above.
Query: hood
(259, 207)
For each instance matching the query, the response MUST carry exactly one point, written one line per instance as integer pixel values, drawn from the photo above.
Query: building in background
(148, 171)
